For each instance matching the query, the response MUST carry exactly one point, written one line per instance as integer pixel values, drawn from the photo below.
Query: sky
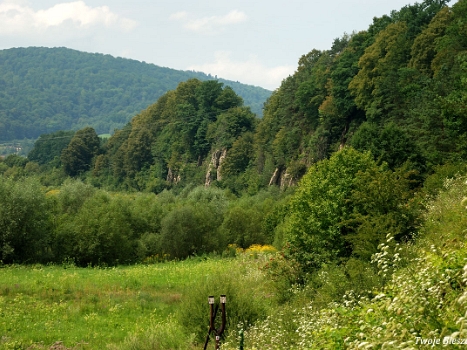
(253, 42)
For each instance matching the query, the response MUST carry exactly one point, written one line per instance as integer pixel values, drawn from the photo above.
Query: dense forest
(383, 108)
(350, 174)
(387, 104)
(44, 90)
(396, 90)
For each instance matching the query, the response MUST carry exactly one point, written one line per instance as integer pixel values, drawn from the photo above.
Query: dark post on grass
(212, 328)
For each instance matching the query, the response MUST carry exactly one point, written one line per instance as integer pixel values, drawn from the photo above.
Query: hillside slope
(48, 89)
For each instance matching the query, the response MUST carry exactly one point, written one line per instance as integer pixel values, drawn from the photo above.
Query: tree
(100, 232)
(314, 228)
(25, 223)
(390, 144)
(50, 146)
(239, 156)
(344, 207)
(77, 157)
(375, 87)
(424, 47)
(189, 230)
(230, 125)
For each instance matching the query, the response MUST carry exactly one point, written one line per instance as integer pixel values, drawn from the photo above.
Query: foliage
(172, 138)
(315, 226)
(383, 202)
(71, 196)
(395, 89)
(25, 222)
(387, 76)
(437, 181)
(230, 125)
(94, 227)
(390, 144)
(78, 155)
(49, 147)
(51, 89)
(247, 294)
(341, 208)
(99, 233)
(189, 230)
(423, 299)
(285, 273)
(14, 160)
(359, 264)
(243, 223)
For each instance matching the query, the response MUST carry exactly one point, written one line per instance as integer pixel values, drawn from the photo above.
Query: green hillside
(356, 176)
(44, 90)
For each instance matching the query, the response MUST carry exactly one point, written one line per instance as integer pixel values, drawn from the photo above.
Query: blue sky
(254, 42)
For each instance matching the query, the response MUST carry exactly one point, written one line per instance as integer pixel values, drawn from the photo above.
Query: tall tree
(50, 146)
(77, 157)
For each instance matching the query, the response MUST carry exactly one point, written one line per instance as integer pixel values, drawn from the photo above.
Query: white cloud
(211, 24)
(179, 15)
(21, 19)
(251, 71)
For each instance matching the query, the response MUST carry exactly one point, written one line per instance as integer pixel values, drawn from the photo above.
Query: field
(98, 308)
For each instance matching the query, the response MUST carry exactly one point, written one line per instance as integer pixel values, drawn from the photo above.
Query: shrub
(72, 195)
(425, 297)
(315, 228)
(344, 207)
(190, 230)
(284, 273)
(25, 221)
(246, 303)
(100, 233)
(242, 226)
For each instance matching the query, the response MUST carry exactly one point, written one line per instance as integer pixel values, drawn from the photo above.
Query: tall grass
(134, 307)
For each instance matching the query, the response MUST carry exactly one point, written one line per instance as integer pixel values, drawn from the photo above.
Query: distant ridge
(43, 90)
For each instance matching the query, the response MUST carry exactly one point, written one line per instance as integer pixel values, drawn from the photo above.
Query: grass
(93, 308)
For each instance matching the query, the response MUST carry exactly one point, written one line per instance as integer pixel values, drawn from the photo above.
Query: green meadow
(119, 307)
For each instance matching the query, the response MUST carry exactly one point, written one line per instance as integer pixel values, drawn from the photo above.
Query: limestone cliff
(282, 178)
(172, 177)
(214, 167)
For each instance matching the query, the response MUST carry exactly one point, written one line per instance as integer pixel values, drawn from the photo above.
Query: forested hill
(397, 89)
(43, 90)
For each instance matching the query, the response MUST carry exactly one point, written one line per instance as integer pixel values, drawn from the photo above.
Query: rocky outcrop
(282, 178)
(214, 167)
(172, 177)
(275, 177)
(219, 162)
(287, 180)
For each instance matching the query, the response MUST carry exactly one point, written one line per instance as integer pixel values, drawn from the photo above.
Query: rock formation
(214, 167)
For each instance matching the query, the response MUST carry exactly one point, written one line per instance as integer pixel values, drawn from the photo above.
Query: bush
(72, 195)
(242, 226)
(436, 182)
(100, 233)
(190, 230)
(244, 221)
(344, 208)
(425, 296)
(315, 228)
(25, 222)
(246, 302)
